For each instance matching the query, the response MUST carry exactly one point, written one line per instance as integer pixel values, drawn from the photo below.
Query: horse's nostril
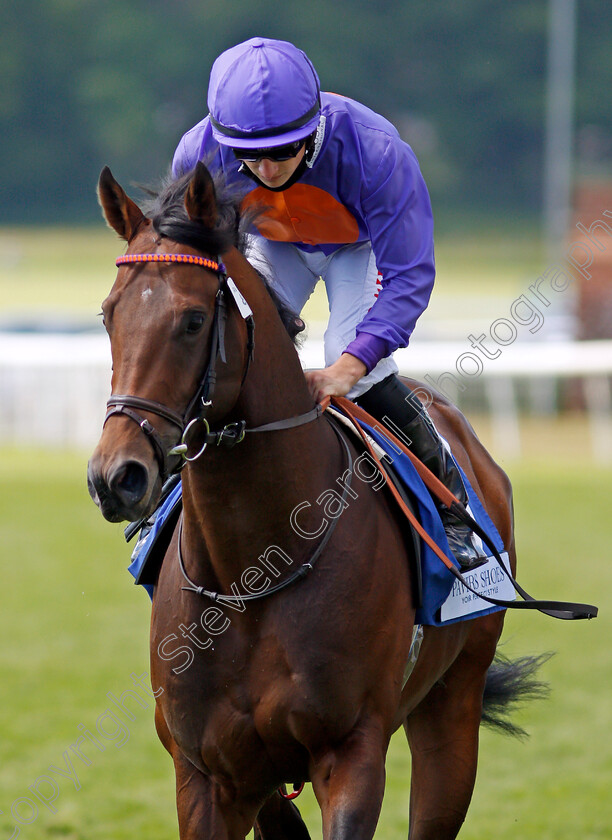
(130, 482)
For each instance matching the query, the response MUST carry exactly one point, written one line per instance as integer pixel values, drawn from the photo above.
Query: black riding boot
(393, 400)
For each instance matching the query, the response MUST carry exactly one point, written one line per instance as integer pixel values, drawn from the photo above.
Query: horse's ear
(120, 212)
(200, 197)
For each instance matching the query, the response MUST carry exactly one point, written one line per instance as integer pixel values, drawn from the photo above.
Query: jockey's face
(275, 173)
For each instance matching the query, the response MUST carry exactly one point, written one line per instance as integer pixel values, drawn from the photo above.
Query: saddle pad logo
(489, 579)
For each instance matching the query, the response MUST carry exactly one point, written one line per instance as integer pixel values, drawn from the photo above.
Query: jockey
(344, 201)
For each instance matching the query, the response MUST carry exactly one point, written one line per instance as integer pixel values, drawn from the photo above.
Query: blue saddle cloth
(166, 513)
(437, 580)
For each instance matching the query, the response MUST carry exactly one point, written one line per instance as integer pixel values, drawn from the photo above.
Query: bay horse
(253, 693)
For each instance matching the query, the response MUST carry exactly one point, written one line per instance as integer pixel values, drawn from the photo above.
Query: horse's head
(171, 341)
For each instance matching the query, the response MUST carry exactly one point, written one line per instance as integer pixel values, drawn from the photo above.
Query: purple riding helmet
(263, 93)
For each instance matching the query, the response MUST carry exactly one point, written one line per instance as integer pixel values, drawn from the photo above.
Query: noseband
(195, 413)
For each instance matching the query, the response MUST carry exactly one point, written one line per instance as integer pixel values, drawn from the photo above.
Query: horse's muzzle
(122, 489)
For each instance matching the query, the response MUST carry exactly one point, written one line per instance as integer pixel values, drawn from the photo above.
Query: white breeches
(352, 284)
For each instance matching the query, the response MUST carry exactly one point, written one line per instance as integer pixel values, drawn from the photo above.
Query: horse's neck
(275, 386)
(238, 503)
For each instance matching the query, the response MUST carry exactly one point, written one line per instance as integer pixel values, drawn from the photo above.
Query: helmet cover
(263, 93)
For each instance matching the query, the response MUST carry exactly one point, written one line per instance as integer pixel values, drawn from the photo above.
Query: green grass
(74, 628)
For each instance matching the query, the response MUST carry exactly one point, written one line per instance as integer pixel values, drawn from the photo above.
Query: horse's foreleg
(349, 784)
(202, 810)
(279, 819)
(443, 734)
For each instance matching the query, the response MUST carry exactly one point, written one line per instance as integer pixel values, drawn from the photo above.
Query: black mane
(166, 209)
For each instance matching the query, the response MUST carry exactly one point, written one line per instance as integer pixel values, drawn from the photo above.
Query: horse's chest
(247, 708)
(218, 725)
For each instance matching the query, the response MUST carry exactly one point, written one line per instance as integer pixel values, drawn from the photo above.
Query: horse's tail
(510, 684)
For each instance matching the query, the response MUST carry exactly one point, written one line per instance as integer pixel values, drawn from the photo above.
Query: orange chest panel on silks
(302, 213)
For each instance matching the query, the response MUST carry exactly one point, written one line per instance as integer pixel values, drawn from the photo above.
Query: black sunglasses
(277, 153)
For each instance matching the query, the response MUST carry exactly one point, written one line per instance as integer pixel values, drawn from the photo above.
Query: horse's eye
(195, 323)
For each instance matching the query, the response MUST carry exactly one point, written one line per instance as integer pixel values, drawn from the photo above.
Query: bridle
(194, 415)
